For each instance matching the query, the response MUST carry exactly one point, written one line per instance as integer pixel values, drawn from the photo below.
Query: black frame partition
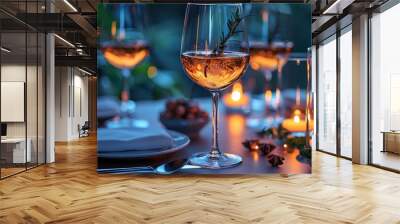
(25, 52)
(338, 29)
(332, 34)
(340, 75)
(328, 39)
(381, 9)
(15, 57)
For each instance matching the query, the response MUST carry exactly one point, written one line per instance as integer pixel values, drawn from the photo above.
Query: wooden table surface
(232, 132)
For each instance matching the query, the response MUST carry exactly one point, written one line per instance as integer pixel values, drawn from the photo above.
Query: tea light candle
(268, 97)
(236, 100)
(297, 124)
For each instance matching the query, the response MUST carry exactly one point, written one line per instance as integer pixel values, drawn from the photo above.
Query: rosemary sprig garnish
(232, 24)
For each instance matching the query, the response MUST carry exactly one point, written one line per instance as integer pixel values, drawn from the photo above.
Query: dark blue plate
(180, 141)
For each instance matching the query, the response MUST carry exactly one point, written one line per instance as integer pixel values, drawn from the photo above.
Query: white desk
(19, 154)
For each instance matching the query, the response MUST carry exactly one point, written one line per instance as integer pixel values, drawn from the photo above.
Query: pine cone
(275, 160)
(266, 148)
(252, 144)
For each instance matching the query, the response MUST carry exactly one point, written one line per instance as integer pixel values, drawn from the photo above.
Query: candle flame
(254, 146)
(113, 29)
(296, 119)
(237, 91)
(236, 96)
(268, 96)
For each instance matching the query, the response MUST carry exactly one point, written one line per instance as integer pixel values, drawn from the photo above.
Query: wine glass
(124, 46)
(262, 58)
(214, 54)
(268, 52)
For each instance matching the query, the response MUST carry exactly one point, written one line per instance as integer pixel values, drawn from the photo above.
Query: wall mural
(204, 88)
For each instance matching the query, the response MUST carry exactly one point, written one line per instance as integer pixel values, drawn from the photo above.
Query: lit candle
(236, 98)
(268, 96)
(296, 123)
(296, 119)
(298, 97)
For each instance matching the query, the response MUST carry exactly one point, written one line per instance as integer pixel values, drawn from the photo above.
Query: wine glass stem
(215, 152)
(125, 85)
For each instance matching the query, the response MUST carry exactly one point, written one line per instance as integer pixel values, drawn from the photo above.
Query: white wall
(62, 82)
(80, 110)
(71, 102)
(12, 73)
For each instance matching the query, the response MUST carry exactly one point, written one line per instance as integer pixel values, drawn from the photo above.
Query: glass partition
(41, 87)
(327, 96)
(346, 93)
(41, 96)
(14, 145)
(22, 91)
(31, 97)
(385, 89)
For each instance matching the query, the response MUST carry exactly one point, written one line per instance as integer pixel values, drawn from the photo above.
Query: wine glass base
(225, 160)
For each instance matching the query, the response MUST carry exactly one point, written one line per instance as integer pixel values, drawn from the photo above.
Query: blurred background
(160, 74)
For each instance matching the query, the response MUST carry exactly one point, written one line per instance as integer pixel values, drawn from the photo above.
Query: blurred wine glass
(124, 46)
(268, 51)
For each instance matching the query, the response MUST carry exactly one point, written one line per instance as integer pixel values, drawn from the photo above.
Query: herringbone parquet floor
(70, 191)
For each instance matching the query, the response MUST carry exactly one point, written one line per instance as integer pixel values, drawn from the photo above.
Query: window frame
(333, 37)
(381, 9)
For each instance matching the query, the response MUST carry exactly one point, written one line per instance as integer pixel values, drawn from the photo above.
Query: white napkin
(131, 139)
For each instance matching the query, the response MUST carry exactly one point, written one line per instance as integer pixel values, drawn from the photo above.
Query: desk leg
(384, 143)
